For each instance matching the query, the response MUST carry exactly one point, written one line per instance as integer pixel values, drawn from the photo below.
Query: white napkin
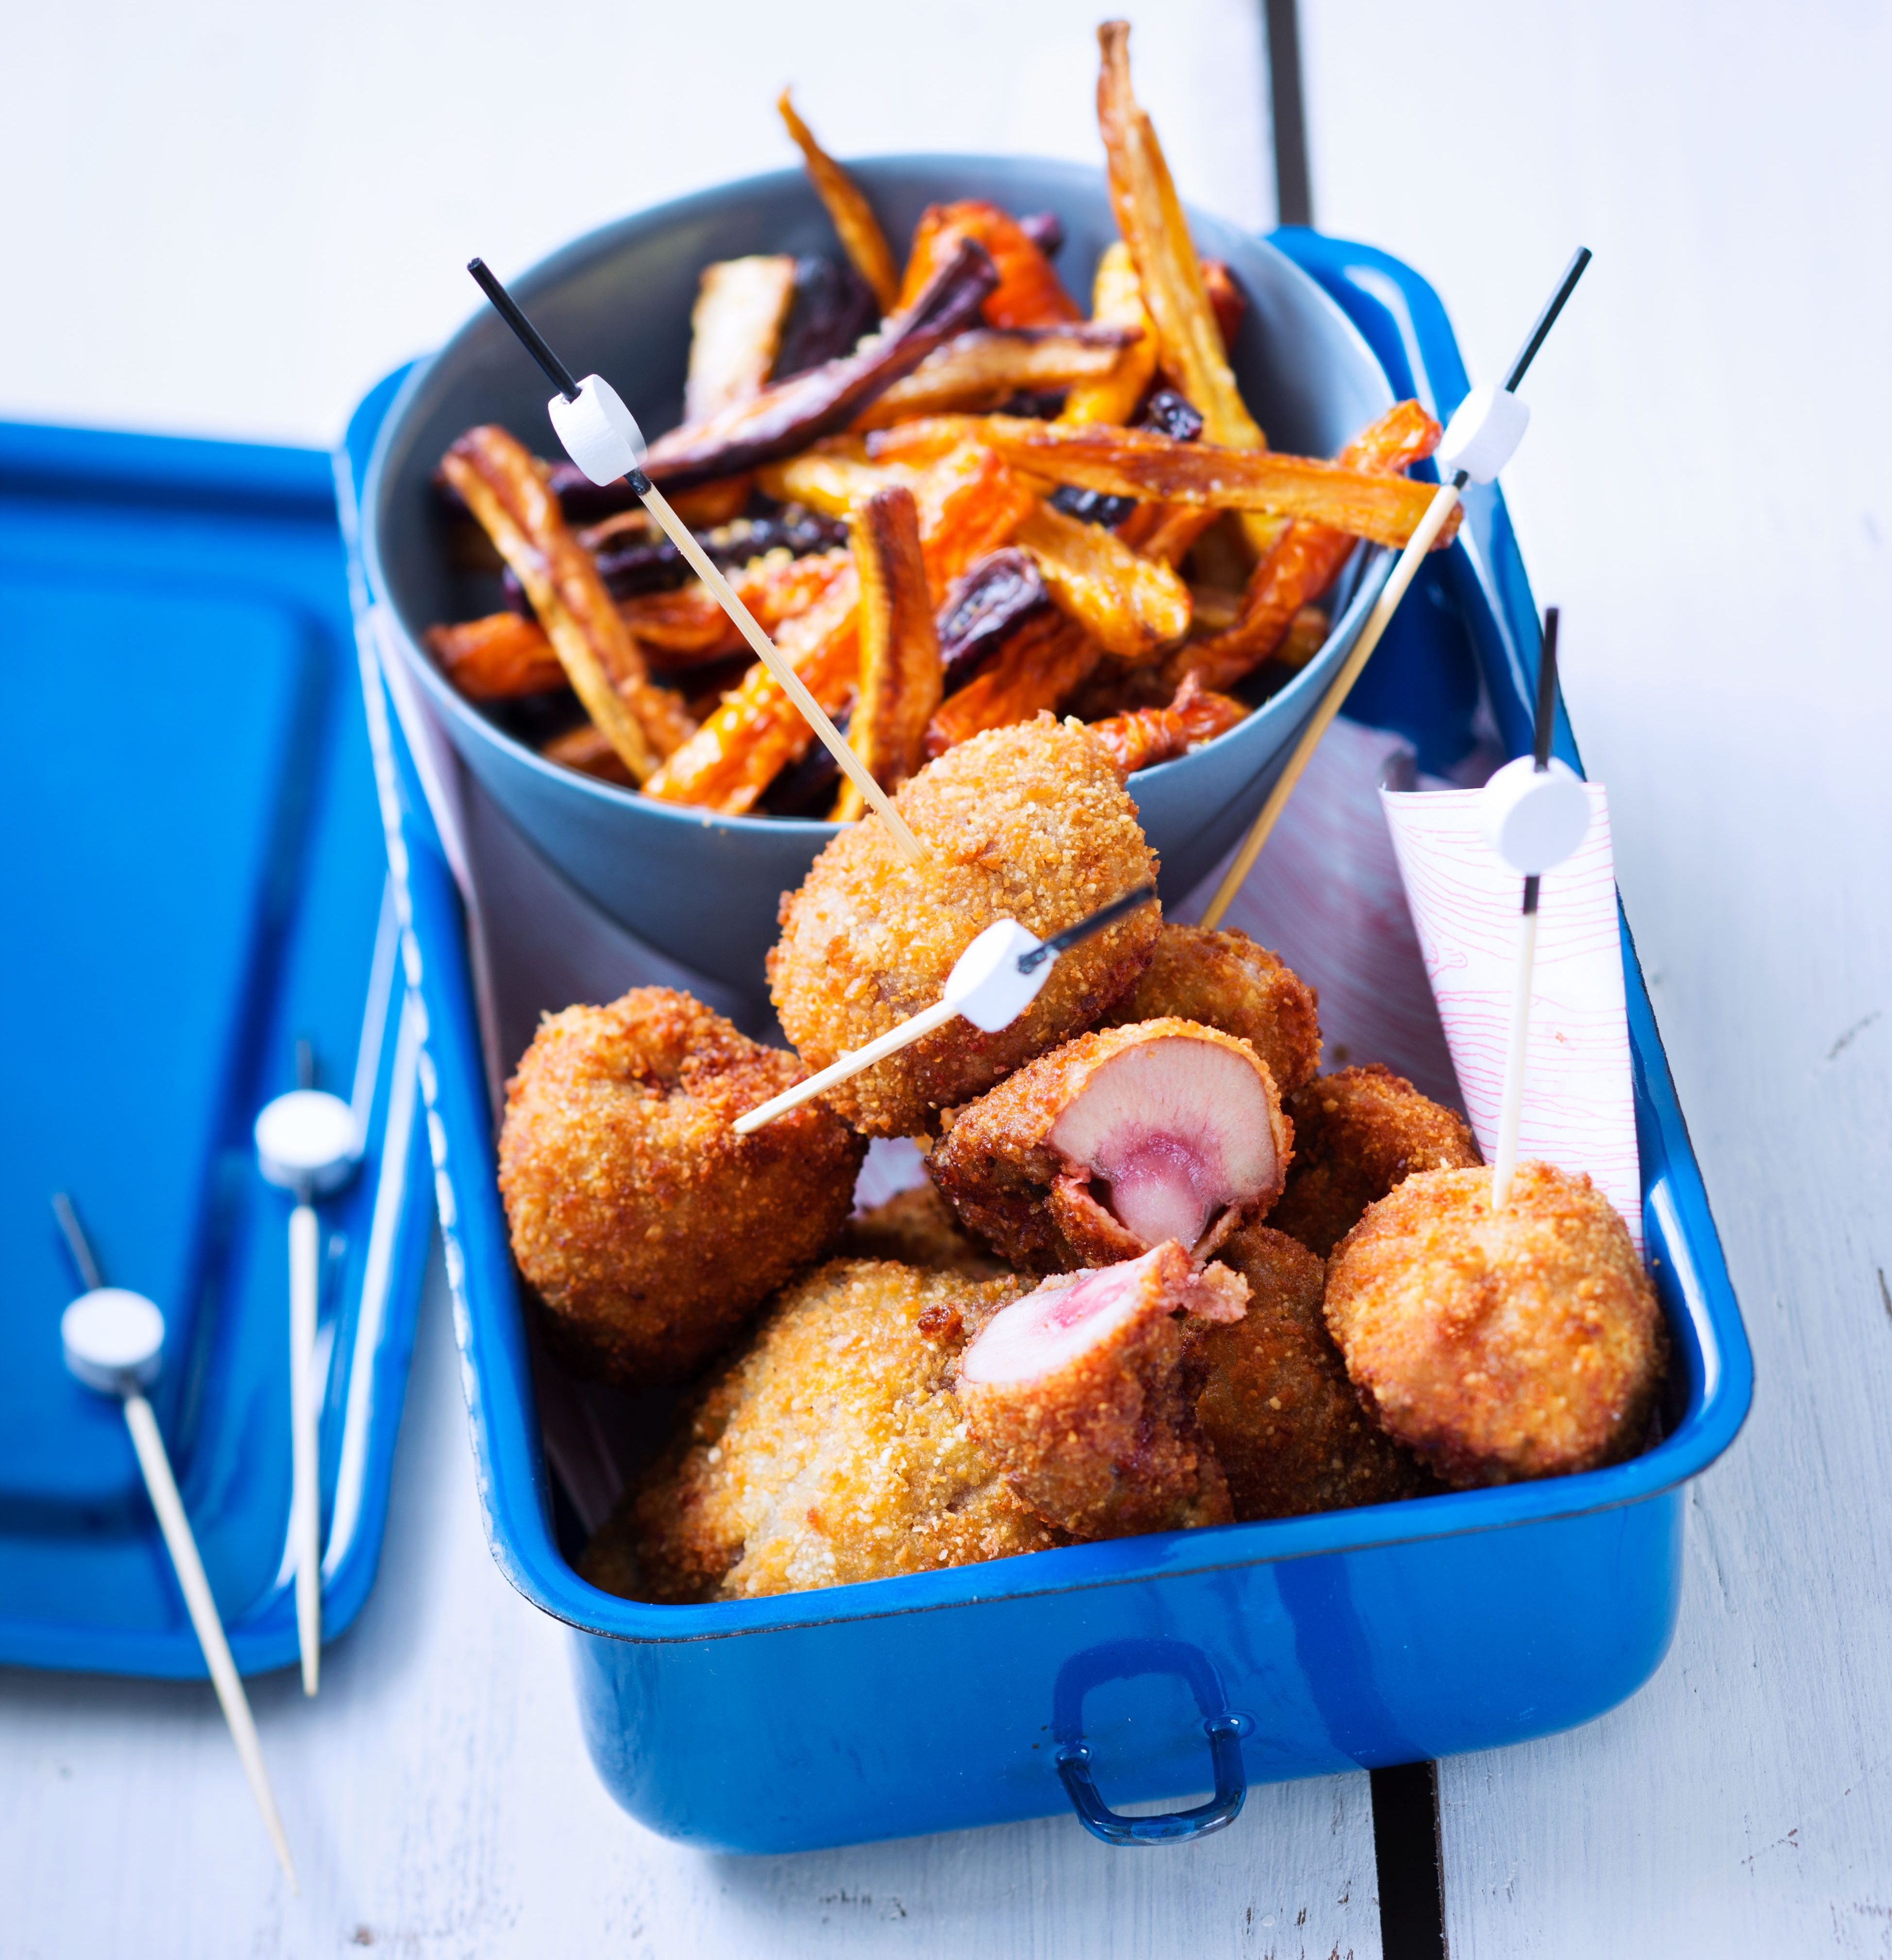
(1578, 1103)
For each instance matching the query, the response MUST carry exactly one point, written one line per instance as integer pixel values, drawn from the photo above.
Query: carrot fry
(585, 749)
(1306, 560)
(496, 479)
(497, 658)
(1117, 300)
(969, 503)
(861, 236)
(1131, 605)
(982, 369)
(900, 674)
(1147, 464)
(1144, 736)
(1043, 663)
(687, 628)
(1028, 293)
(735, 329)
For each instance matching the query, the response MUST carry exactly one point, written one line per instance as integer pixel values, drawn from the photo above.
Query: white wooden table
(1705, 494)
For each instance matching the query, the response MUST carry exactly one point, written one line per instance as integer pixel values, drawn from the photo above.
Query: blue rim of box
(1407, 326)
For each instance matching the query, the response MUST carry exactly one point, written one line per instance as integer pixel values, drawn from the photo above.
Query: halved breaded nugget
(1357, 1134)
(833, 1451)
(1277, 1408)
(1226, 980)
(650, 1230)
(1084, 1393)
(1031, 823)
(1115, 1142)
(1500, 1345)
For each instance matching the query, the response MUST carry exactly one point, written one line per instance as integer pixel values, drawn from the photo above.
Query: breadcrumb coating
(1277, 1408)
(1226, 980)
(917, 1228)
(834, 1450)
(1006, 1166)
(1084, 1393)
(1503, 1345)
(1031, 822)
(1357, 1134)
(649, 1230)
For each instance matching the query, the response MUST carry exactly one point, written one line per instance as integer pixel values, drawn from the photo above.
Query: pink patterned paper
(1578, 1108)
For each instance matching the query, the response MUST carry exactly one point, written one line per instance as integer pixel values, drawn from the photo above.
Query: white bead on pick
(602, 437)
(993, 982)
(1535, 813)
(308, 1145)
(113, 1342)
(1478, 442)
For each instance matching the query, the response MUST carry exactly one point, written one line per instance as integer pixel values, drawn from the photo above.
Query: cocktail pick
(308, 1144)
(1479, 440)
(113, 1340)
(993, 982)
(602, 437)
(1535, 813)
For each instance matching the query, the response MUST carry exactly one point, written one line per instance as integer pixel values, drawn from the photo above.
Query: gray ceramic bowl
(704, 888)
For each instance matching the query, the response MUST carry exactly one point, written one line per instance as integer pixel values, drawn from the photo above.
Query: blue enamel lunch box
(1146, 1669)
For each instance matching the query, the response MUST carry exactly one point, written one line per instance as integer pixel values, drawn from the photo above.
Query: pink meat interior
(1036, 1336)
(1176, 1129)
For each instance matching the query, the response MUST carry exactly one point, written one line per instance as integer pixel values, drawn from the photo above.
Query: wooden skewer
(1441, 507)
(1437, 512)
(892, 1043)
(624, 450)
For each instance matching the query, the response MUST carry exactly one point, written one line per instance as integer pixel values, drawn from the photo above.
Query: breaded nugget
(1277, 1408)
(833, 1450)
(917, 1228)
(1226, 980)
(1084, 1393)
(1500, 1345)
(1031, 823)
(1115, 1142)
(1357, 1133)
(649, 1230)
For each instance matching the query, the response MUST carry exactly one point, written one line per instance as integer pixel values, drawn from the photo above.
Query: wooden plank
(439, 1802)
(1699, 492)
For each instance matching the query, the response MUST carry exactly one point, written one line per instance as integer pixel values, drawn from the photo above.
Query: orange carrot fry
(497, 658)
(1043, 663)
(1306, 560)
(901, 677)
(496, 479)
(984, 368)
(1028, 293)
(1117, 300)
(1144, 736)
(685, 628)
(861, 236)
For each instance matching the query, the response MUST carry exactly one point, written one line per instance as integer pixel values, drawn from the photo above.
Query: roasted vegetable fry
(788, 415)
(728, 763)
(834, 306)
(1145, 463)
(597, 505)
(861, 236)
(1027, 294)
(996, 594)
(834, 475)
(683, 629)
(1306, 635)
(1227, 301)
(1144, 736)
(900, 673)
(496, 478)
(498, 658)
(969, 503)
(1117, 300)
(984, 369)
(1150, 215)
(1307, 560)
(1044, 663)
(1131, 605)
(735, 331)
(586, 749)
